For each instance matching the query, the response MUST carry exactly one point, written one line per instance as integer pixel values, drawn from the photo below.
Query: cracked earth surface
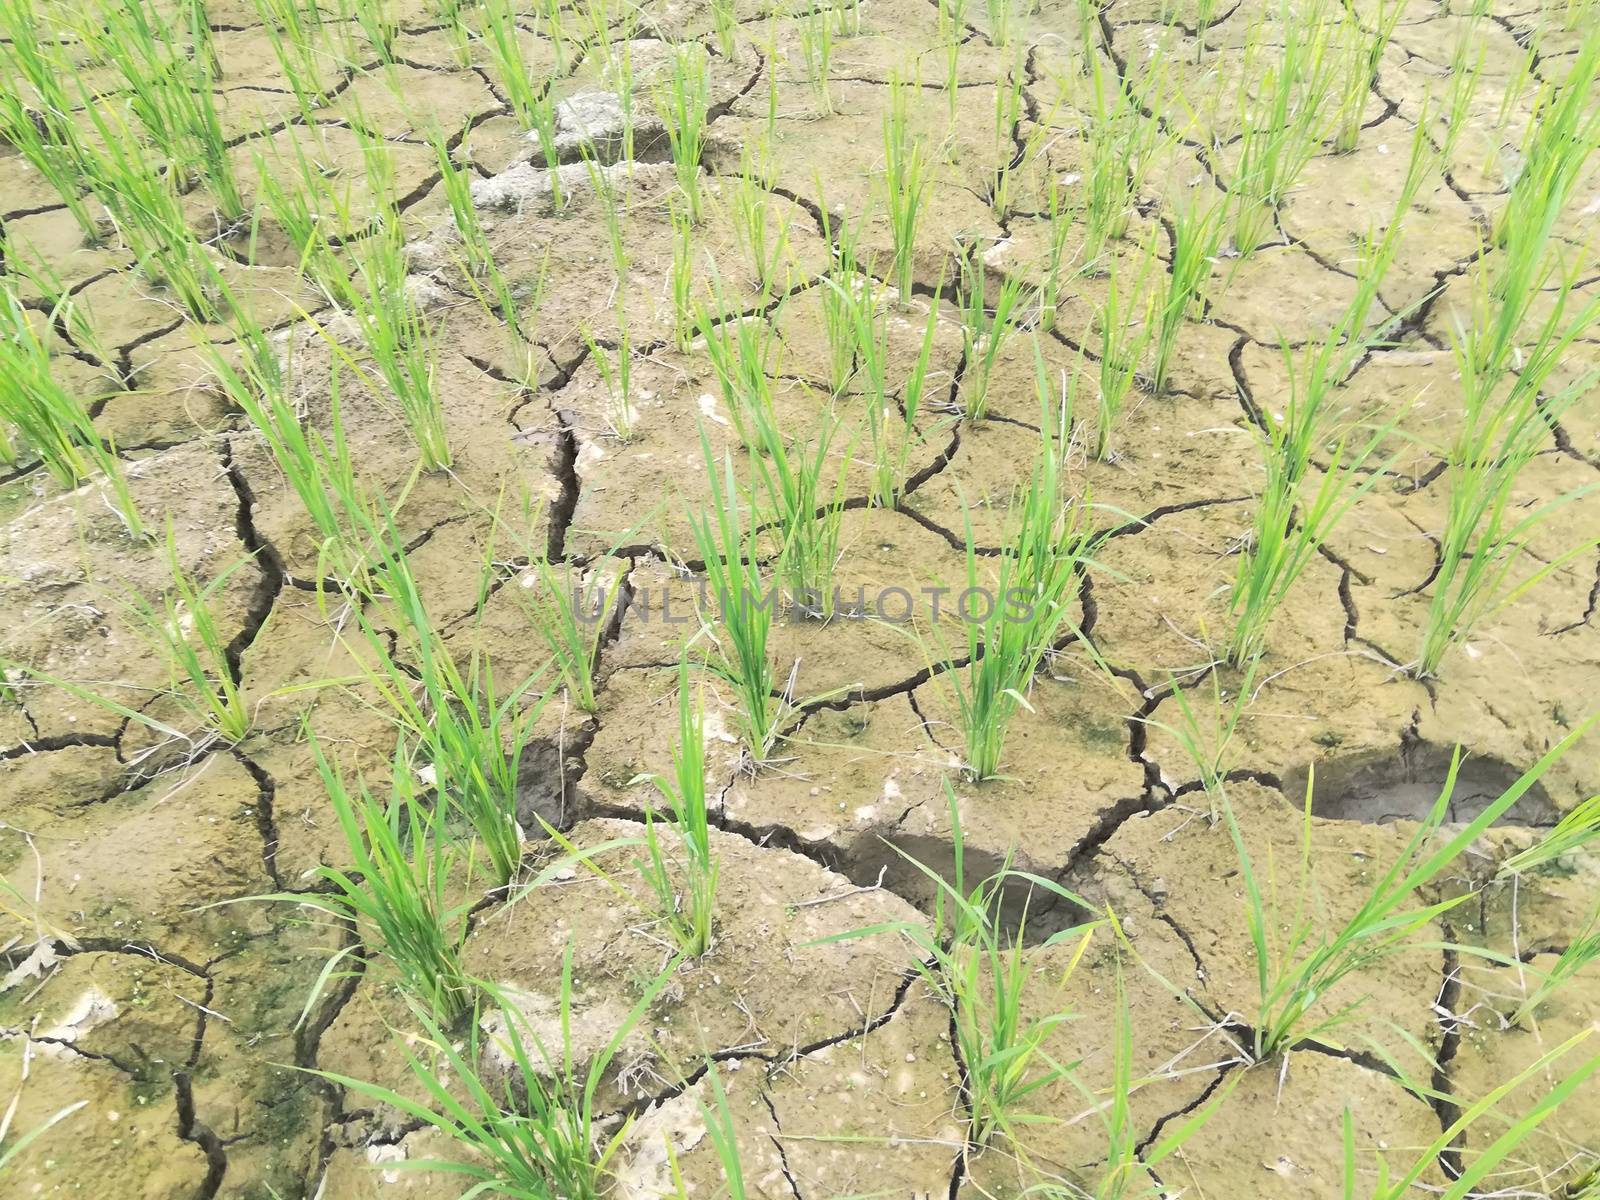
(178, 1015)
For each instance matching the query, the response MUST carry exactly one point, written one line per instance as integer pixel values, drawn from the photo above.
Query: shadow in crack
(1404, 787)
(1028, 913)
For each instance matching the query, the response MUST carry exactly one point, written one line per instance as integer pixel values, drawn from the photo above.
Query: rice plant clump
(1031, 589)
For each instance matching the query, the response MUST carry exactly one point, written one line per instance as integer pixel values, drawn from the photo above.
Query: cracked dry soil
(178, 1017)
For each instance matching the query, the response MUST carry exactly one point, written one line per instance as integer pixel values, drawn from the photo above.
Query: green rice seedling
(452, 15)
(1574, 831)
(594, 34)
(1478, 1176)
(1017, 163)
(396, 335)
(753, 212)
(51, 421)
(1127, 1170)
(1055, 256)
(542, 120)
(68, 314)
(741, 350)
(840, 295)
(682, 103)
(318, 469)
(1363, 52)
(1514, 88)
(1321, 365)
(1205, 12)
(201, 38)
(456, 183)
(397, 891)
(571, 611)
(1208, 732)
(1123, 144)
(724, 1139)
(744, 608)
(690, 911)
(182, 628)
(378, 24)
(1009, 109)
(805, 511)
(143, 202)
(54, 154)
(1128, 1164)
(723, 24)
(1197, 232)
(538, 1132)
(1465, 74)
(972, 959)
(1292, 520)
(41, 128)
(503, 40)
(1127, 324)
(763, 145)
(500, 300)
(550, 19)
(847, 18)
(1502, 429)
(984, 333)
(952, 34)
(857, 330)
(1287, 112)
(1011, 149)
(1003, 15)
(468, 734)
(907, 174)
(1296, 972)
(893, 443)
(1035, 579)
(952, 19)
(168, 91)
(32, 58)
(624, 80)
(618, 377)
(985, 975)
(1562, 137)
(816, 51)
(681, 279)
(609, 193)
(10, 1152)
(1580, 950)
(295, 29)
(793, 491)
(1123, 1173)
(1375, 255)
(858, 333)
(302, 208)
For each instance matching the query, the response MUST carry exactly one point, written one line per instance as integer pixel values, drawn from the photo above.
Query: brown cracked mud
(176, 1015)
